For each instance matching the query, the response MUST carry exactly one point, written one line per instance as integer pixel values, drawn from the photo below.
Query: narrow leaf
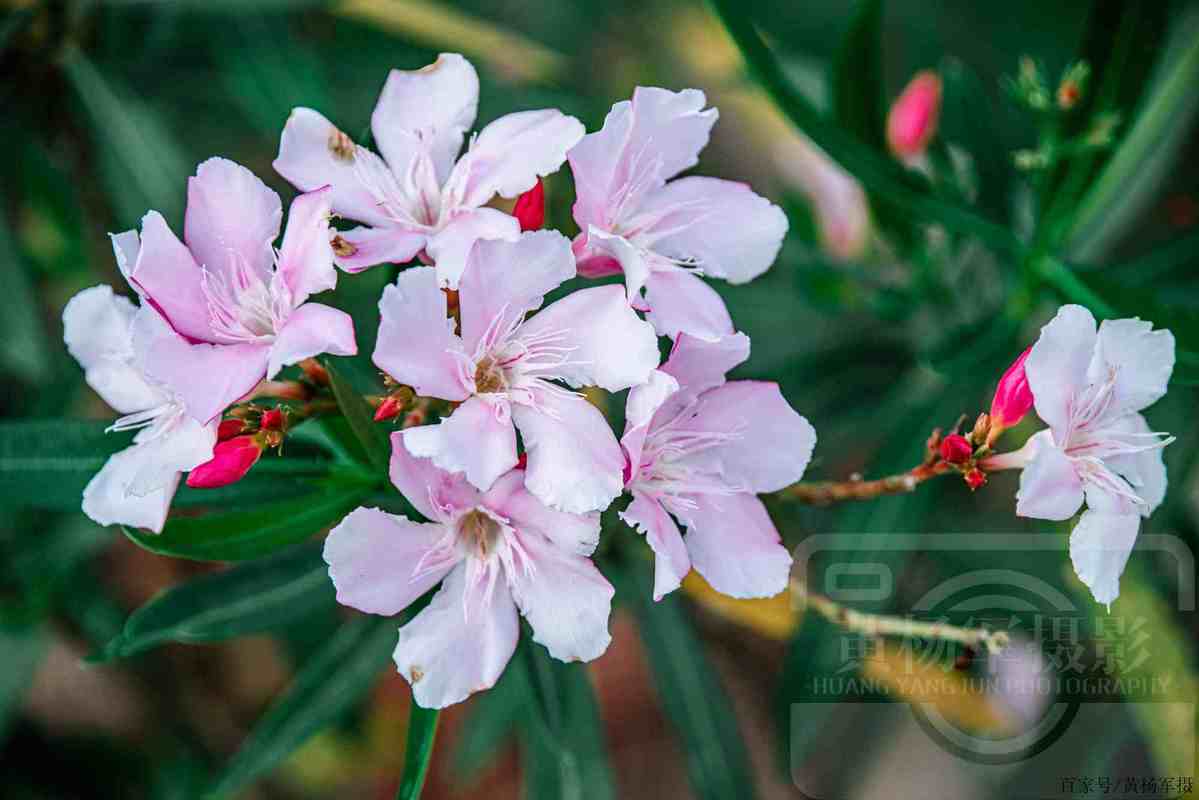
(23, 650)
(858, 104)
(422, 731)
(328, 686)
(360, 417)
(24, 349)
(249, 598)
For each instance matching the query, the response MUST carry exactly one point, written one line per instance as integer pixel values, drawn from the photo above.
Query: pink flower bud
(956, 449)
(1013, 398)
(912, 122)
(975, 478)
(229, 428)
(231, 460)
(530, 208)
(389, 408)
(272, 420)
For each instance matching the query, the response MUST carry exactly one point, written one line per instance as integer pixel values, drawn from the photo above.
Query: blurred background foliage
(894, 306)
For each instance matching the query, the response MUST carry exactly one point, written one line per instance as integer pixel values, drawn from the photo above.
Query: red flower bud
(231, 460)
(912, 123)
(956, 449)
(388, 408)
(522, 462)
(1013, 398)
(530, 208)
(272, 420)
(975, 478)
(229, 428)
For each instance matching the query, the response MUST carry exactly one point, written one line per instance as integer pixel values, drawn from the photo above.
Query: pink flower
(420, 196)
(237, 304)
(912, 122)
(701, 449)
(231, 460)
(495, 553)
(109, 337)
(1089, 387)
(664, 235)
(501, 366)
(1013, 398)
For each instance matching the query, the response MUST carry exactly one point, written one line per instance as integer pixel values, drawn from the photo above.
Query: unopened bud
(273, 419)
(956, 449)
(912, 122)
(975, 478)
(229, 428)
(530, 208)
(231, 460)
(982, 427)
(1013, 398)
(389, 408)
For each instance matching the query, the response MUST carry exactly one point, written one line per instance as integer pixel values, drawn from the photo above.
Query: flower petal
(97, 329)
(634, 262)
(510, 154)
(699, 364)
(450, 247)
(434, 492)
(721, 227)
(1141, 358)
(164, 454)
(643, 403)
(574, 533)
(1145, 471)
(306, 259)
(361, 248)
(167, 276)
(575, 463)
(510, 279)
(644, 142)
(478, 439)
(565, 599)
(1050, 487)
(1057, 366)
(416, 343)
(681, 302)
(671, 561)
(373, 557)
(231, 214)
(1099, 548)
(435, 104)
(447, 656)
(314, 153)
(610, 346)
(312, 329)
(733, 543)
(108, 501)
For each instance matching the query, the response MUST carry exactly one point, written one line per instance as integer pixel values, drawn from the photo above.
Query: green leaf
(249, 598)
(328, 686)
(564, 744)
(493, 717)
(24, 349)
(360, 417)
(23, 650)
(903, 189)
(242, 535)
(858, 103)
(418, 750)
(691, 693)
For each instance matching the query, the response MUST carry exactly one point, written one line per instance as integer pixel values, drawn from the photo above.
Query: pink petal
(699, 364)
(306, 259)
(1057, 366)
(478, 439)
(312, 154)
(680, 302)
(312, 329)
(575, 463)
(1049, 486)
(97, 329)
(430, 489)
(634, 262)
(735, 546)
(451, 246)
(574, 533)
(169, 278)
(435, 105)
(643, 403)
(416, 343)
(720, 226)
(373, 557)
(510, 154)
(565, 599)
(671, 561)
(611, 347)
(1142, 359)
(644, 142)
(231, 214)
(1099, 548)
(771, 444)
(510, 278)
(590, 262)
(1144, 471)
(445, 656)
(361, 248)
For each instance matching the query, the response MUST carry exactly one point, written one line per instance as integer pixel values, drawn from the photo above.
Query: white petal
(435, 493)
(1050, 487)
(97, 329)
(477, 438)
(643, 403)
(107, 500)
(671, 561)
(184, 445)
(448, 655)
(1145, 471)
(368, 247)
(699, 364)
(1141, 358)
(575, 533)
(679, 301)
(1057, 365)
(733, 543)
(450, 247)
(1099, 548)
(416, 344)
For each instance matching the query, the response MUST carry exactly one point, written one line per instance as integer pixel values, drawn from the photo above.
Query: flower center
(489, 376)
(478, 532)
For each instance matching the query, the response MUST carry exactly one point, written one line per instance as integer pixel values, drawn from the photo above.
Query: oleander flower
(237, 303)
(109, 336)
(1089, 386)
(663, 234)
(420, 197)
(496, 553)
(502, 368)
(702, 449)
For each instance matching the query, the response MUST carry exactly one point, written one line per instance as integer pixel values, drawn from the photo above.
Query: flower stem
(823, 493)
